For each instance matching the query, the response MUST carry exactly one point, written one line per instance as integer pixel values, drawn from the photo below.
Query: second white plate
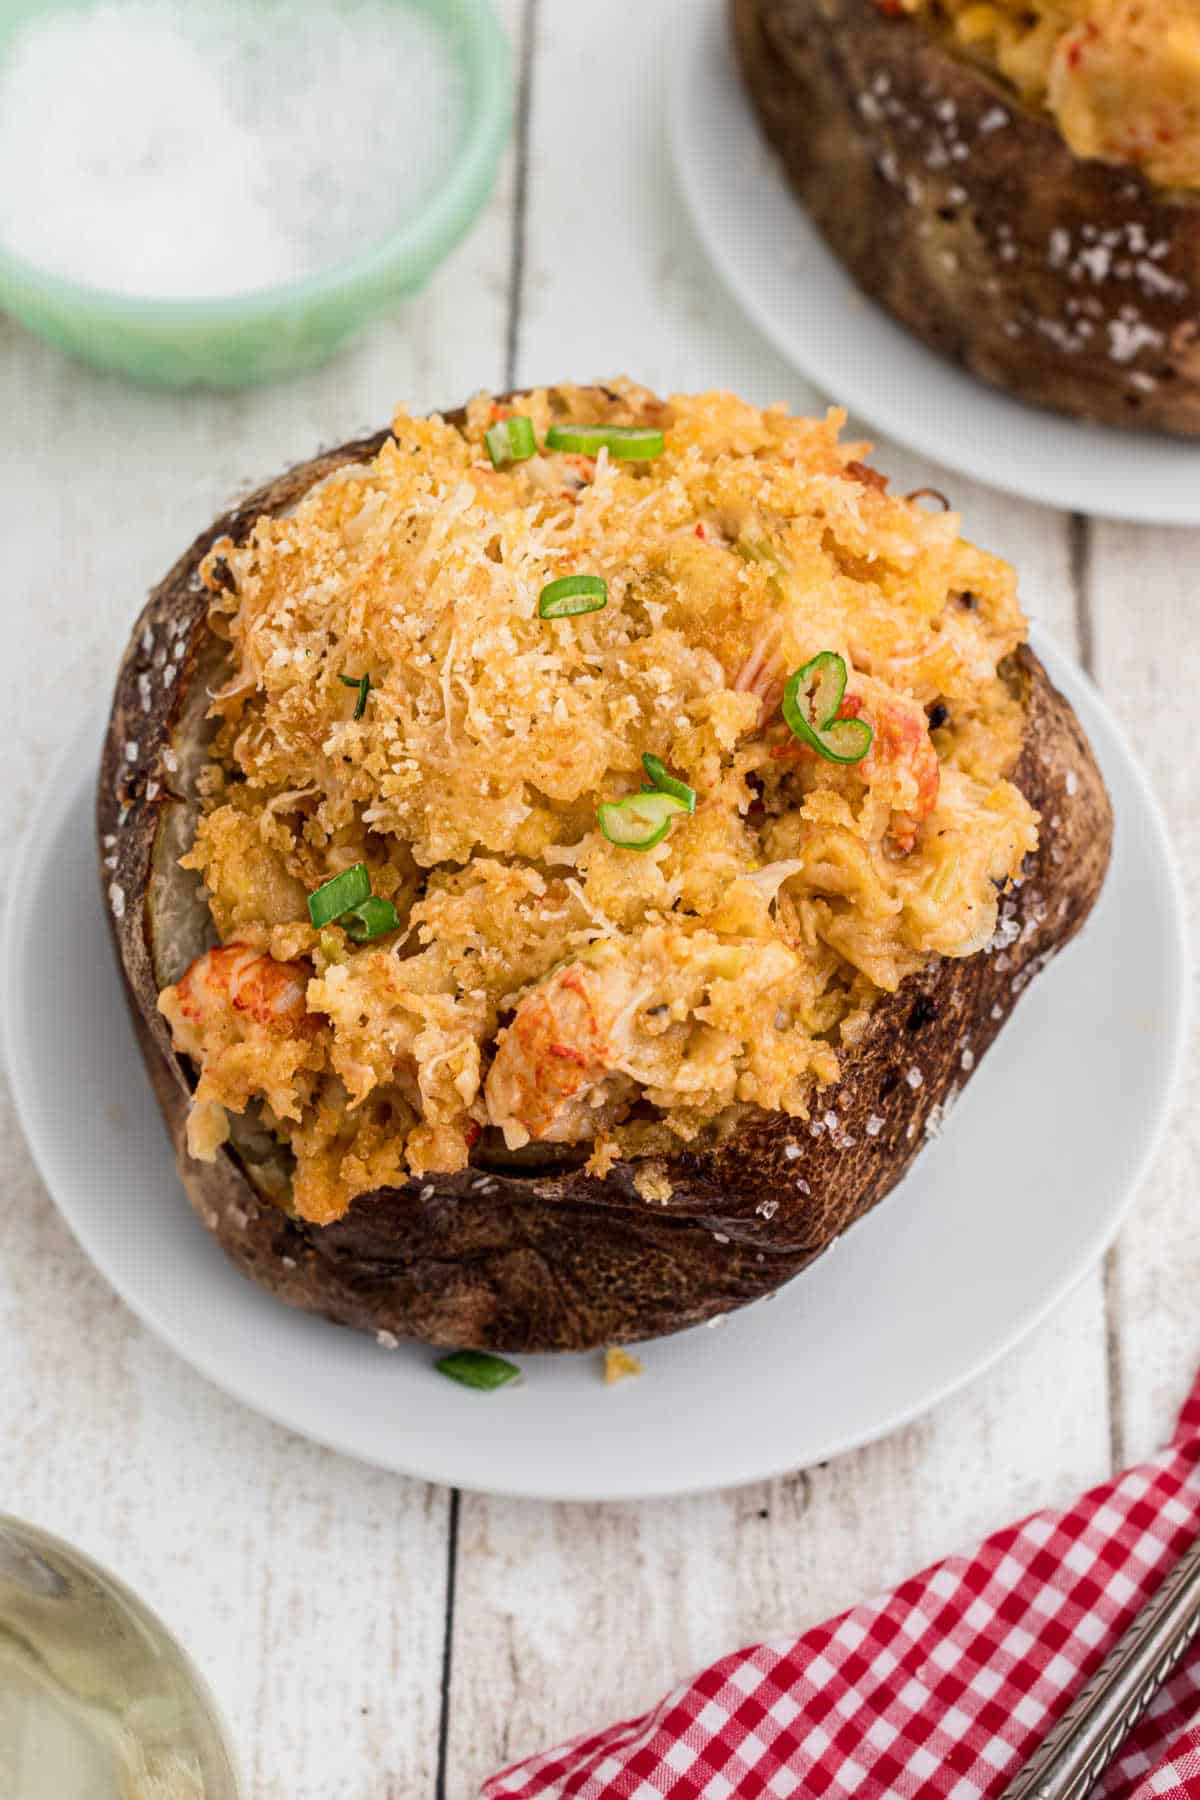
(778, 266)
(997, 1219)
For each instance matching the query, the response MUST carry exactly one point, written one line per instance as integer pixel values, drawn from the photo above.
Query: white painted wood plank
(310, 1589)
(565, 1617)
(1147, 629)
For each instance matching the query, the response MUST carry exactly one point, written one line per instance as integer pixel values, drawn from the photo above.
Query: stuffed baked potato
(1019, 184)
(567, 856)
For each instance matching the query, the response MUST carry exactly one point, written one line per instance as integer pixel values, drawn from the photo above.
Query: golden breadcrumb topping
(546, 985)
(619, 1365)
(1121, 77)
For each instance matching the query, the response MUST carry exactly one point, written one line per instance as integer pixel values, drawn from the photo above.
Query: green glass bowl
(281, 330)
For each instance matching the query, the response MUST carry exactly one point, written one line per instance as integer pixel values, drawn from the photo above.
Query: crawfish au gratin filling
(1120, 77)
(585, 786)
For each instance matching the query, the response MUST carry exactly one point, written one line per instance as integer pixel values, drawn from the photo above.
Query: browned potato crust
(1073, 284)
(499, 1259)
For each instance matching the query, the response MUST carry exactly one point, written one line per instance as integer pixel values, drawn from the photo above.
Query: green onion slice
(757, 550)
(572, 594)
(363, 684)
(665, 783)
(641, 820)
(810, 706)
(335, 897)
(624, 443)
(510, 441)
(370, 919)
(476, 1369)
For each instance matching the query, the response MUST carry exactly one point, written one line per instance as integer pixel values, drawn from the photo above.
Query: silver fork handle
(1084, 1741)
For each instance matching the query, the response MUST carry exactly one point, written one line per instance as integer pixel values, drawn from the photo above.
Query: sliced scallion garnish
(510, 441)
(624, 443)
(665, 783)
(363, 684)
(811, 701)
(337, 896)
(640, 821)
(478, 1369)
(571, 595)
(370, 919)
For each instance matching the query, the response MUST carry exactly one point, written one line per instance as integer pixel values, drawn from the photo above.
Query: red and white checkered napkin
(943, 1688)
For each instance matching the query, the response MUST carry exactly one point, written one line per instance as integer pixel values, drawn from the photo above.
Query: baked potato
(1018, 185)
(713, 813)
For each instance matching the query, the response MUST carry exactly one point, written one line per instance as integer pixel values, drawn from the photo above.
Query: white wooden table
(372, 1638)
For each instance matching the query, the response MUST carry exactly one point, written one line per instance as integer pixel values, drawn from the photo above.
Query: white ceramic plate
(997, 1220)
(777, 265)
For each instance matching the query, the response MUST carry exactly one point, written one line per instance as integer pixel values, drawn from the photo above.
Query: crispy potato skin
(1071, 283)
(562, 1261)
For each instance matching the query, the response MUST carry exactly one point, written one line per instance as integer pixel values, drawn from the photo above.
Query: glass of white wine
(97, 1700)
